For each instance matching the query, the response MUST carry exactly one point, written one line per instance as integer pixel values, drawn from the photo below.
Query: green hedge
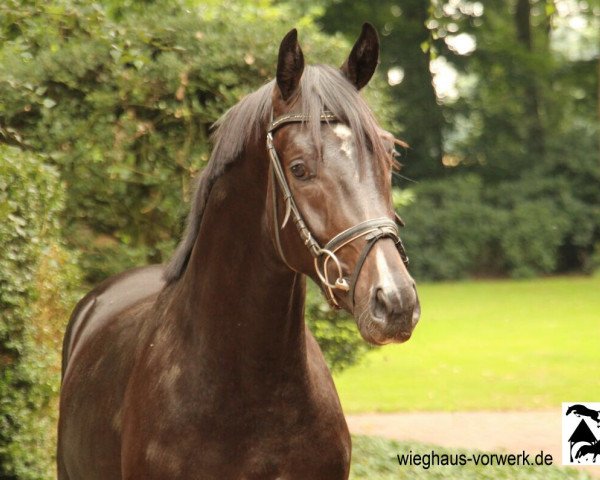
(335, 331)
(459, 227)
(447, 227)
(37, 278)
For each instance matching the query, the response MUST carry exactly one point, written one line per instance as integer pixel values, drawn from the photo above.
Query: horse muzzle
(389, 308)
(392, 315)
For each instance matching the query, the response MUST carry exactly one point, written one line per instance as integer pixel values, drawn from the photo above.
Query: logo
(581, 433)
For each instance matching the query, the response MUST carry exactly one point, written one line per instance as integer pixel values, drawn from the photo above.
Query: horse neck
(238, 304)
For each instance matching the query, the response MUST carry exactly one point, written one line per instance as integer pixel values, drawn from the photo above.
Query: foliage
(375, 457)
(536, 223)
(595, 260)
(520, 123)
(535, 341)
(455, 228)
(529, 129)
(448, 228)
(37, 278)
(418, 118)
(125, 107)
(336, 332)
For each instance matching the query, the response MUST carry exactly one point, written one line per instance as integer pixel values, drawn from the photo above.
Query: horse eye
(298, 169)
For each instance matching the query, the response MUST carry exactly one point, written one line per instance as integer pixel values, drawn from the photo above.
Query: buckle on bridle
(402, 251)
(340, 283)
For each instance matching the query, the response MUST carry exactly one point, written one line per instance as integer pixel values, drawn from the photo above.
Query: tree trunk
(531, 101)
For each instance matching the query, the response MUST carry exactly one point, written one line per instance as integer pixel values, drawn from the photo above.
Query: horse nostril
(386, 303)
(379, 304)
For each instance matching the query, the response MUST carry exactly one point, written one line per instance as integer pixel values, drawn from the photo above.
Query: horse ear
(363, 59)
(290, 64)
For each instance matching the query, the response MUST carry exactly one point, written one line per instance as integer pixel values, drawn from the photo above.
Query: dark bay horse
(204, 368)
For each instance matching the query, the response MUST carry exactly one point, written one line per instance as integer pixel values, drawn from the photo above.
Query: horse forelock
(321, 88)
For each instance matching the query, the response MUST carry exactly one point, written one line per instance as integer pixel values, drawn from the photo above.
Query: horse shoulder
(103, 303)
(98, 356)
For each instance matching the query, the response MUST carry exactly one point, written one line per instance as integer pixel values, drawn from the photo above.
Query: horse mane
(322, 88)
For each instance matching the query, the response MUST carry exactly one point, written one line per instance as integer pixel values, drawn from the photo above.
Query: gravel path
(492, 431)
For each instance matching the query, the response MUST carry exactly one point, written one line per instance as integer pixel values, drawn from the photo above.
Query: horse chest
(238, 441)
(298, 452)
(260, 459)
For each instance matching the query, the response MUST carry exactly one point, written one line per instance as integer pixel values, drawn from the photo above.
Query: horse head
(331, 213)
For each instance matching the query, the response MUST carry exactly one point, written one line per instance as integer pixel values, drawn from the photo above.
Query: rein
(372, 230)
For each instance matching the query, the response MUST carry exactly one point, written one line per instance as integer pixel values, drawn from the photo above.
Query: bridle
(371, 230)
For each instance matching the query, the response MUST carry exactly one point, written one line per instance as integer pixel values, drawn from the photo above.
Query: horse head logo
(592, 448)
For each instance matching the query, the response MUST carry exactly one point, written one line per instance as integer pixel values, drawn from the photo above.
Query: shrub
(447, 227)
(458, 226)
(595, 260)
(335, 331)
(37, 275)
(531, 238)
(537, 218)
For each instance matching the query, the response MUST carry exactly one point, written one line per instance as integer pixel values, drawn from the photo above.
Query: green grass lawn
(497, 345)
(375, 459)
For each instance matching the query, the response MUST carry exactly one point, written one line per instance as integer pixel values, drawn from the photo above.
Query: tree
(518, 133)
(531, 99)
(405, 63)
